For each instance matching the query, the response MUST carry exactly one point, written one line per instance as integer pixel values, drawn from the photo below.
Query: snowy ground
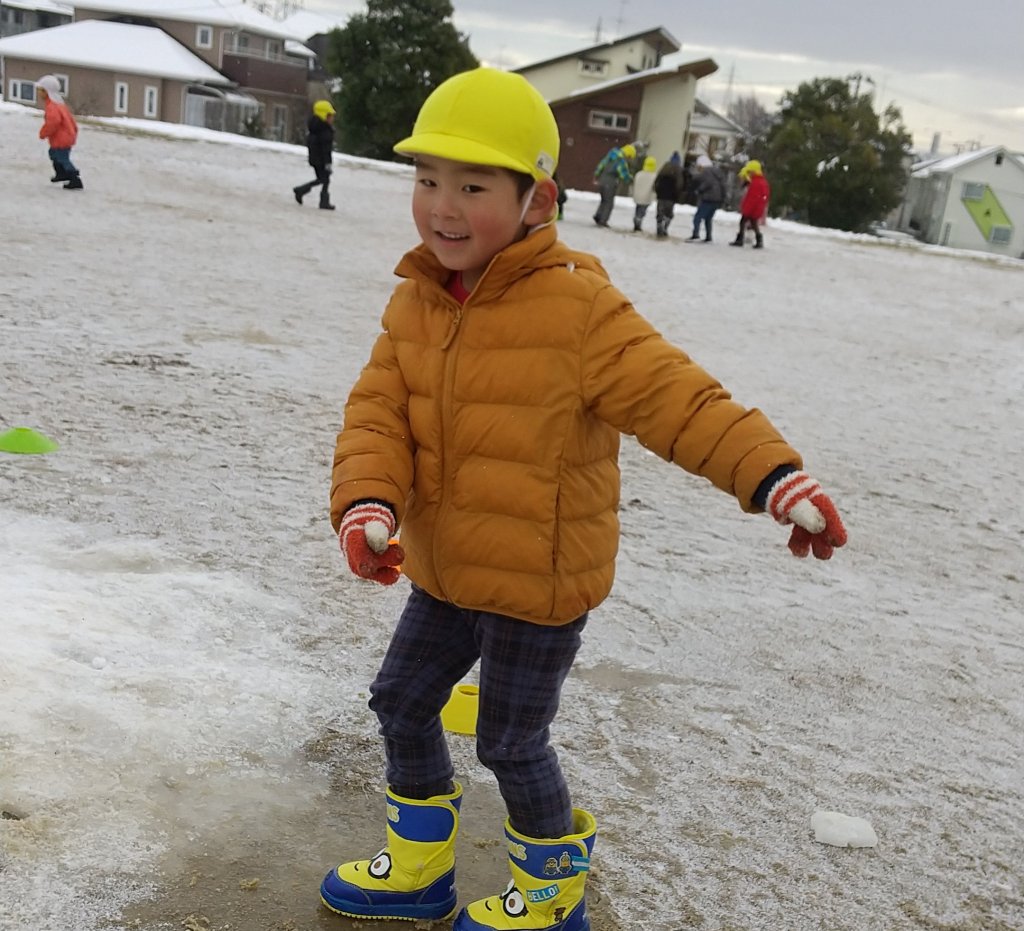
(184, 741)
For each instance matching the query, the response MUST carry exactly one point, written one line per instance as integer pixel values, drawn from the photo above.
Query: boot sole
(381, 916)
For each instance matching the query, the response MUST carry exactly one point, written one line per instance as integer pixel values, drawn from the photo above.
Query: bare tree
(754, 118)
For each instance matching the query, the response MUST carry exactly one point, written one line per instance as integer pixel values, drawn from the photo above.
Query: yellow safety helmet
(650, 163)
(629, 150)
(487, 117)
(753, 167)
(323, 109)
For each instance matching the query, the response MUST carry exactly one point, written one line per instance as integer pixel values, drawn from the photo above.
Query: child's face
(466, 214)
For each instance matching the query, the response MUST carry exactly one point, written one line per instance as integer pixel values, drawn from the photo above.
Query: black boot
(738, 241)
(759, 242)
(301, 191)
(74, 184)
(59, 174)
(326, 204)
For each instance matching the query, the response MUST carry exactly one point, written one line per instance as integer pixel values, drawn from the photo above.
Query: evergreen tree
(832, 160)
(388, 60)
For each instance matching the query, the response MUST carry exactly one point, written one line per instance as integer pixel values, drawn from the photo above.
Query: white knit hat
(52, 87)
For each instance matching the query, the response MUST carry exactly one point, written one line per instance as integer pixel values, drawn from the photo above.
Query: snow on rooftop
(113, 46)
(953, 162)
(657, 70)
(232, 13)
(42, 6)
(307, 24)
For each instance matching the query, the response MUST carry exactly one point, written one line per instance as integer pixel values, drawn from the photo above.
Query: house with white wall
(586, 68)
(618, 92)
(974, 200)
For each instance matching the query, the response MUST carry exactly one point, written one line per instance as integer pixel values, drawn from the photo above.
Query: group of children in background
(650, 184)
(666, 186)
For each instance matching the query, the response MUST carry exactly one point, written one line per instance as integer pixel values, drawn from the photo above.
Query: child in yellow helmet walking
(485, 427)
(320, 145)
(754, 205)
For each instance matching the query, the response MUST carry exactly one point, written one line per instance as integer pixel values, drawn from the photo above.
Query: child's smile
(466, 214)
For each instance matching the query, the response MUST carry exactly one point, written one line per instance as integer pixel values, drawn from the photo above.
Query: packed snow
(184, 738)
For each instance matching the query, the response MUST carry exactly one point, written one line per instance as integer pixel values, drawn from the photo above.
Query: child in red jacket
(754, 205)
(61, 131)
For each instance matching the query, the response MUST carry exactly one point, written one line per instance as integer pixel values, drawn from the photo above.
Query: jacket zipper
(448, 382)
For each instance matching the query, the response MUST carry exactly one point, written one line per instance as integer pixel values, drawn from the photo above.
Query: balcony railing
(233, 47)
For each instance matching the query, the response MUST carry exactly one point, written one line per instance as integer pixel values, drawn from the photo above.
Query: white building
(974, 200)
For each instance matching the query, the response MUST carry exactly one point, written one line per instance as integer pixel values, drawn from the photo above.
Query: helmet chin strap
(526, 207)
(526, 201)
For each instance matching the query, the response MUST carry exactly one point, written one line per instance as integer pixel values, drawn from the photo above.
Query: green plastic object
(26, 441)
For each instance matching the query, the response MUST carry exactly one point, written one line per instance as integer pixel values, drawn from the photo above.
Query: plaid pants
(522, 668)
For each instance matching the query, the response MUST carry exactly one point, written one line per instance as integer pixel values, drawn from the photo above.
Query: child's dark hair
(523, 181)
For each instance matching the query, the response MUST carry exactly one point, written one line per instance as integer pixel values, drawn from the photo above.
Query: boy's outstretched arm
(791, 496)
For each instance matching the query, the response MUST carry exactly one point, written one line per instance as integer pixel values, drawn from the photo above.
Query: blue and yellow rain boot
(546, 890)
(413, 877)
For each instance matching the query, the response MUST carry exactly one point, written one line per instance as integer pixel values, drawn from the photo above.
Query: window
(593, 68)
(280, 112)
(23, 90)
(151, 99)
(204, 36)
(605, 119)
(973, 190)
(120, 97)
(1001, 235)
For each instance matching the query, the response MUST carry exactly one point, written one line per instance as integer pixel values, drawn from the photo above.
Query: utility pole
(727, 96)
(619, 22)
(597, 32)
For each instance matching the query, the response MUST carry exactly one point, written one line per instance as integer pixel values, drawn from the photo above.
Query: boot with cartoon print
(546, 891)
(413, 877)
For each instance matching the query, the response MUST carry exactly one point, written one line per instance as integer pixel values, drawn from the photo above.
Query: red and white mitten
(797, 499)
(365, 538)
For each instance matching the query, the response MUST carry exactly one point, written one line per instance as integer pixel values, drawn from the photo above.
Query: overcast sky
(952, 68)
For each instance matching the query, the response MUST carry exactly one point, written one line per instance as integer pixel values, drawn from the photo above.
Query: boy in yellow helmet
(320, 145)
(486, 425)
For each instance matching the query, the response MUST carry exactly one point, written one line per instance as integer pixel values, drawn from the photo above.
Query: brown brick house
(241, 64)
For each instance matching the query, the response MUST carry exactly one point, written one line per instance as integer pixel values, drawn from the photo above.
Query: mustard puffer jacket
(493, 428)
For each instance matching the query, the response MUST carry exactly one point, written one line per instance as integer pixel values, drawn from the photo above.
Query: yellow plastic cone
(459, 714)
(25, 440)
